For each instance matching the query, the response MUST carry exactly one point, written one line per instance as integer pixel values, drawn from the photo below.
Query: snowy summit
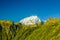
(30, 20)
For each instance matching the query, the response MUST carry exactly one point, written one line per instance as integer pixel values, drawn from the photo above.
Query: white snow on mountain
(30, 20)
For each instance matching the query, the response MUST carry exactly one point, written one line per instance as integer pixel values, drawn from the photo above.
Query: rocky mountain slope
(49, 30)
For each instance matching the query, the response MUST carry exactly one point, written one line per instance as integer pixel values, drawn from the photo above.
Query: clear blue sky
(16, 10)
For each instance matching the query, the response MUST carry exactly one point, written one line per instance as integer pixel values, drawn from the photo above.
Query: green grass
(50, 30)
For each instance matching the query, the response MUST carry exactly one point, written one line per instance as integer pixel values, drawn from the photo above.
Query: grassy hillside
(49, 30)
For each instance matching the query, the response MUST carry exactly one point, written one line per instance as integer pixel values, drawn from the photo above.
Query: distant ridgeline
(49, 30)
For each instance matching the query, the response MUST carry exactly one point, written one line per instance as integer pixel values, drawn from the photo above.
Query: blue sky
(16, 10)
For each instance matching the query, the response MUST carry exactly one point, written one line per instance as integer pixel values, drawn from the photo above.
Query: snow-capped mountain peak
(30, 20)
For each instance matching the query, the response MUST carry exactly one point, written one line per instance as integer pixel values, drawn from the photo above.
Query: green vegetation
(49, 30)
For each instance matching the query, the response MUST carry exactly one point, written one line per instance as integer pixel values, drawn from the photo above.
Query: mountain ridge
(30, 20)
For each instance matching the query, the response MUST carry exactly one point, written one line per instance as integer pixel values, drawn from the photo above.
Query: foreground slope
(15, 31)
(49, 30)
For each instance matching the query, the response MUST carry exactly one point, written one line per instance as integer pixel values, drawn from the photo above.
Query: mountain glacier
(30, 20)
